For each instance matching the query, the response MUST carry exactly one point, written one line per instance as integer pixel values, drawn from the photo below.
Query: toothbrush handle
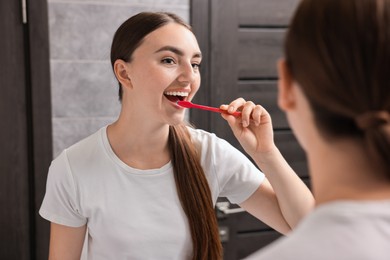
(214, 109)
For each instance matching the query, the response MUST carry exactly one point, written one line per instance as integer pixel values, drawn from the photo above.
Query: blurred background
(57, 87)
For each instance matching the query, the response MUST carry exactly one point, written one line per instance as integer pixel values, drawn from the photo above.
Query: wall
(84, 90)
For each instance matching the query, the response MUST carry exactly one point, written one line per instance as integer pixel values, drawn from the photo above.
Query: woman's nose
(187, 74)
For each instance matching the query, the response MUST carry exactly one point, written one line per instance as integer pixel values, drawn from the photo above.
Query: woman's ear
(121, 70)
(286, 95)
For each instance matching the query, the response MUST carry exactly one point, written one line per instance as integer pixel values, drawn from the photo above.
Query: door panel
(243, 234)
(25, 132)
(14, 216)
(251, 241)
(265, 12)
(40, 125)
(290, 149)
(264, 92)
(258, 51)
(292, 152)
(241, 42)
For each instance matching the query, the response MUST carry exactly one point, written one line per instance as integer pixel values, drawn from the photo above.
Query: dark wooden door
(25, 132)
(241, 41)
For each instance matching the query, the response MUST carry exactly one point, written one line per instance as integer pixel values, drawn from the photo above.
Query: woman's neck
(342, 171)
(139, 144)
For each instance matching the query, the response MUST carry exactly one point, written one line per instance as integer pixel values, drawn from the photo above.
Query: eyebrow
(178, 51)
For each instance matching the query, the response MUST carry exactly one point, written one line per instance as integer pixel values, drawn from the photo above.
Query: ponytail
(375, 126)
(194, 194)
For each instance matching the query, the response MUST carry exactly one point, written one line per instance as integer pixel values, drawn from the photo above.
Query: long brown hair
(191, 183)
(339, 53)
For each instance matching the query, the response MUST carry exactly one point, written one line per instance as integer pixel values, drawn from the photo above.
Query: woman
(145, 186)
(335, 89)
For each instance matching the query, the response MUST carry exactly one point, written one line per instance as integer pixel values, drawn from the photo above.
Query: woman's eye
(168, 61)
(196, 66)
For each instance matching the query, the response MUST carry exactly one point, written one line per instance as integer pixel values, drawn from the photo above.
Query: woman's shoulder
(83, 148)
(201, 135)
(210, 145)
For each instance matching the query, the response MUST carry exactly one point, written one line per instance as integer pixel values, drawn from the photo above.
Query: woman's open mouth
(175, 96)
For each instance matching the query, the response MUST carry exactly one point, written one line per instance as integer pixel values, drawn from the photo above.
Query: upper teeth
(174, 93)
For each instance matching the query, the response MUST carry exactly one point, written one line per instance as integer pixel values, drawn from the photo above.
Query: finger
(224, 107)
(234, 122)
(235, 104)
(246, 113)
(256, 114)
(229, 118)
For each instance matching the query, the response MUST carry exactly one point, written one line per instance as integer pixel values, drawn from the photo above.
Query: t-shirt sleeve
(236, 176)
(60, 204)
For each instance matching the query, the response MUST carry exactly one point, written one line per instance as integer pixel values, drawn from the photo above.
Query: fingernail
(231, 109)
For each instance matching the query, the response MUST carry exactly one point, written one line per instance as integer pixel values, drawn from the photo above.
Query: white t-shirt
(136, 214)
(344, 230)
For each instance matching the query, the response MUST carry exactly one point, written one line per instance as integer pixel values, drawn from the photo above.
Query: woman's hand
(285, 200)
(253, 129)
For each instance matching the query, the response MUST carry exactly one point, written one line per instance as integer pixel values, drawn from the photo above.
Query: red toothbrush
(188, 104)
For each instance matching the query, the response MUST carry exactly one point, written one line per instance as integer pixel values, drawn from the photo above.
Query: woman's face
(163, 70)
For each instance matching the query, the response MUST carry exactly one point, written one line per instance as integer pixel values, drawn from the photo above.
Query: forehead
(171, 34)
